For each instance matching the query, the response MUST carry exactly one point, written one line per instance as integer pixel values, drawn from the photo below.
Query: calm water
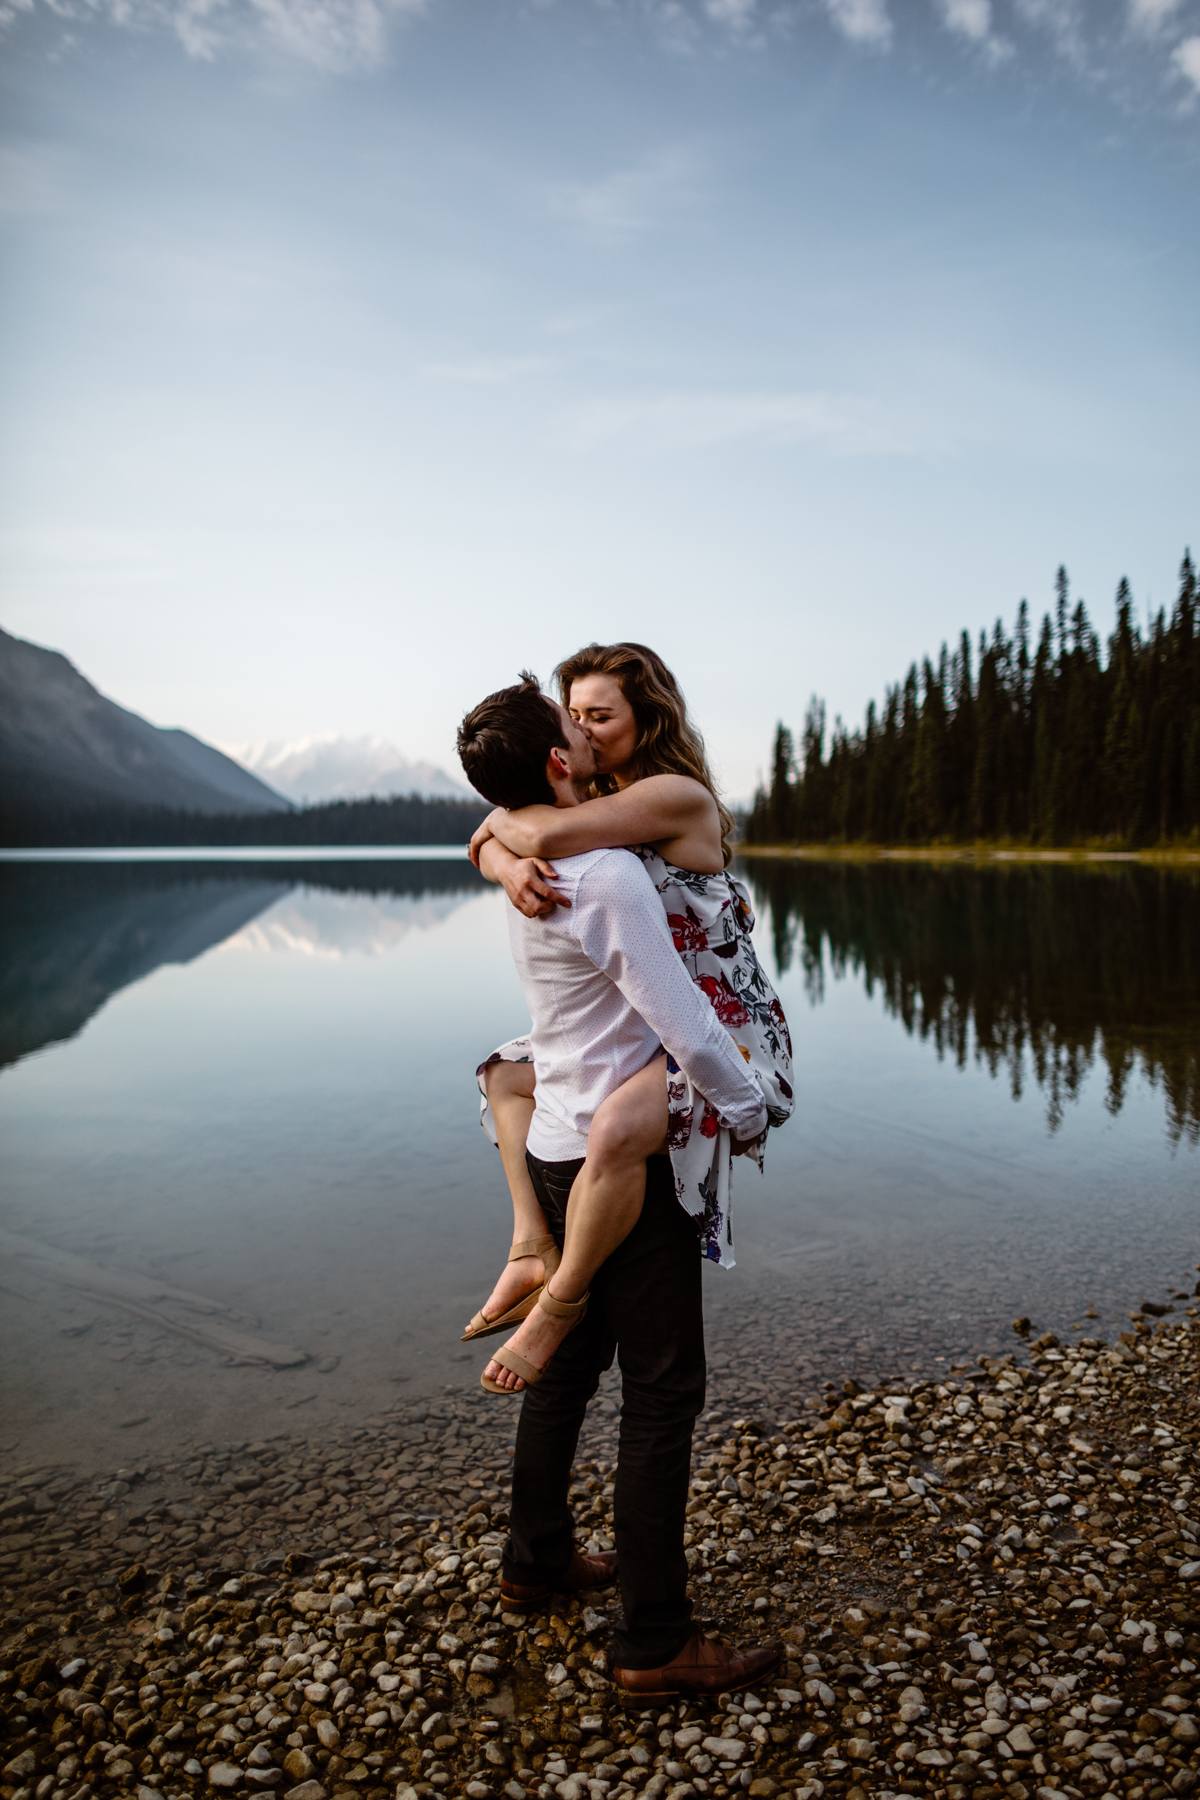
(238, 1111)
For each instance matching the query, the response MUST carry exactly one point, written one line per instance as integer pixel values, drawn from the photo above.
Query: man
(605, 988)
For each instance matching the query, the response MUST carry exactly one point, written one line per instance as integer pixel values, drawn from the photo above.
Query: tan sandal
(547, 1249)
(530, 1374)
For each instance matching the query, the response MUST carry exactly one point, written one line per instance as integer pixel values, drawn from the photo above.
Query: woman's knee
(621, 1132)
(508, 1080)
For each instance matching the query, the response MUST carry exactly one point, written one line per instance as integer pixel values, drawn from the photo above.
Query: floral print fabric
(711, 920)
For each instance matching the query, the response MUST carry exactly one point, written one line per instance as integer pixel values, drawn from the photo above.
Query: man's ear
(556, 766)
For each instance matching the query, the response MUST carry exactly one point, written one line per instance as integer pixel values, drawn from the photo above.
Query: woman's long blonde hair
(668, 743)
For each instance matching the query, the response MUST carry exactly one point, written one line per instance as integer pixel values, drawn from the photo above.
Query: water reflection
(74, 934)
(1036, 970)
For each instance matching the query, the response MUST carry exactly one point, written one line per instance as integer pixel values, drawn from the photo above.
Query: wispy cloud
(734, 16)
(862, 21)
(333, 35)
(1062, 23)
(10, 9)
(846, 425)
(1149, 16)
(628, 201)
(488, 371)
(972, 19)
(1186, 58)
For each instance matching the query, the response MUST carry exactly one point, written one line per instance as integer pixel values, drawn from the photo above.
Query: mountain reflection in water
(75, 933)
(1030, 971)
(1036, 969)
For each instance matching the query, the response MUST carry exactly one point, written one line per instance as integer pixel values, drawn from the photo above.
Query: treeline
(400, 819)
(1048, 742)
(1036, 973)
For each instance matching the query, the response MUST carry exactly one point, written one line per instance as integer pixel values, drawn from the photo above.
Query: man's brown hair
(504, 742)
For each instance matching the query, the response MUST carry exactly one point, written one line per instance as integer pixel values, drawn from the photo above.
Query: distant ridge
(66, 749)
(316, 769)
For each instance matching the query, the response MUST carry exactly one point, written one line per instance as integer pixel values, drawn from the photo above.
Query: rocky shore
(988, 1583)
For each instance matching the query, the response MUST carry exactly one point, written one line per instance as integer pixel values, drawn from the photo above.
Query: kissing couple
(657, 1052)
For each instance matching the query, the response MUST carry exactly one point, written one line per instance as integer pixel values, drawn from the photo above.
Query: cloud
(1062, 21)
(488, 371)
(678, 421)
(862, 21)
(333, 35)
(1186, 58)
(735, 16)
(628, 201)
(1149, 16)
(678, 30)
(972, 19)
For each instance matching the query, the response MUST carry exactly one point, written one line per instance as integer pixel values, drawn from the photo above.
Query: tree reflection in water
(1038, 968)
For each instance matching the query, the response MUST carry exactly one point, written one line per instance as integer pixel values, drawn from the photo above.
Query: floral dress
(711, 921)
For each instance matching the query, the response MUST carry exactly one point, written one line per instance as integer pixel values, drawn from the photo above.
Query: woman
(654, 794)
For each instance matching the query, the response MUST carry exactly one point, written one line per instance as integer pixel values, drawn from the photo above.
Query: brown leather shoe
(583, 1573)
(704, 1666)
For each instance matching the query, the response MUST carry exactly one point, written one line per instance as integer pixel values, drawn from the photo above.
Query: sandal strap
(512, 1359)
(563, 1309)
(531, 1247)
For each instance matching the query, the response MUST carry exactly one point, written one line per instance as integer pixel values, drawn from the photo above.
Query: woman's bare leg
(510, 1095)
(604, 1206)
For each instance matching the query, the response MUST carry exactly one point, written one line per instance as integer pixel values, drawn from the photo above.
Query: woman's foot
(517, 1281)
(531, 1262)
(536, 1339)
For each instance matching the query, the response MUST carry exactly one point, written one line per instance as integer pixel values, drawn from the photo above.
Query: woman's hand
(481, 834)
(525, 881)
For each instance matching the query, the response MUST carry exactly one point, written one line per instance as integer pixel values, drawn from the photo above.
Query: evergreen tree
(926, 800)
(1057, 746)
(780, 819)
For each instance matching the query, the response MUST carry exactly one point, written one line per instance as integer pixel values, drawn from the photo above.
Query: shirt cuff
(745, 1130)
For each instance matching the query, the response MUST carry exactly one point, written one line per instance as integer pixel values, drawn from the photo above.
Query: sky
(357, 354)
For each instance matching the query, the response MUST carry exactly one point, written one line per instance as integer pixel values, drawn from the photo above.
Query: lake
(245, 1188)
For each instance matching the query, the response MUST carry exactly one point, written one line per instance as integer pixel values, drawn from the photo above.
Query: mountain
(316, 769)
(65, 748)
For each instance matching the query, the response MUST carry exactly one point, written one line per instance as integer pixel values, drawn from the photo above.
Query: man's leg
(649, 1297)
(541, 1531)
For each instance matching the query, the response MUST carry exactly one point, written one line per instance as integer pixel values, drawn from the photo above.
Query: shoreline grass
(1174, 857)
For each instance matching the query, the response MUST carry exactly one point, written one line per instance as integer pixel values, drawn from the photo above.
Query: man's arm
(622, 928)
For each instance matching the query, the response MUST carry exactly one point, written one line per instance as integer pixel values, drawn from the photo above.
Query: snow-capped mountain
(314, 769)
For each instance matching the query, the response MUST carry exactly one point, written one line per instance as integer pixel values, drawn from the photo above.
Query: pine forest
(1048, 740)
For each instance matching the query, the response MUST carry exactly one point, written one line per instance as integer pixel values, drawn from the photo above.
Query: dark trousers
(646, 1309)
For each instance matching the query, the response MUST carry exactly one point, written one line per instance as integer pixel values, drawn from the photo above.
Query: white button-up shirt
(606, 989)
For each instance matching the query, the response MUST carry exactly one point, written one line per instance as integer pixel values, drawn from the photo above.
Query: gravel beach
(988, 1583)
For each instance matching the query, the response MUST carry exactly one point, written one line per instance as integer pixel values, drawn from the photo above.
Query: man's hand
(526, 880)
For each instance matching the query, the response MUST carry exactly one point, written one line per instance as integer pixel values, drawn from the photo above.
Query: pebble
(725, 1749)
(984, 1579)
(226, 1776)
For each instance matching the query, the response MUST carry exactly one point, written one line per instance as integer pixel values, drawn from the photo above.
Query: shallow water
(239, 1116)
